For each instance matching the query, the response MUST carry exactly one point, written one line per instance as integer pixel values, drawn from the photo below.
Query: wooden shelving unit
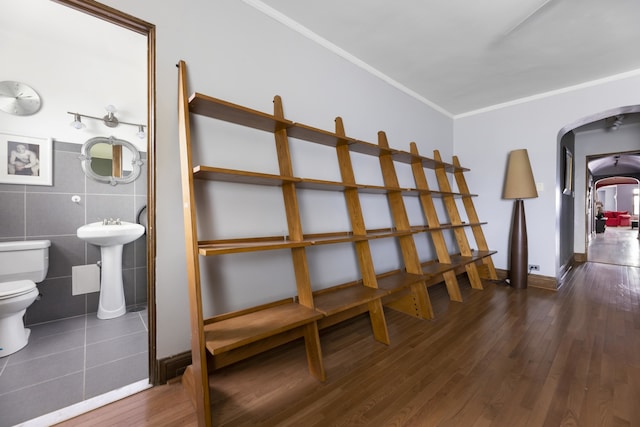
(226, 338)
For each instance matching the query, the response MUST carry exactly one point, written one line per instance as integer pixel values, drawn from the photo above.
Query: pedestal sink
(111, 235)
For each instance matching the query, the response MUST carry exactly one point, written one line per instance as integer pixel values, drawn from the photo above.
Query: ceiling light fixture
(109, 120)
(617, 123)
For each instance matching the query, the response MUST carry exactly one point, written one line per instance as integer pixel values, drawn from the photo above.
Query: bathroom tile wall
(29, 212)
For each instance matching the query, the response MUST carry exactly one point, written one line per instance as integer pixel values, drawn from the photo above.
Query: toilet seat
(16, 288)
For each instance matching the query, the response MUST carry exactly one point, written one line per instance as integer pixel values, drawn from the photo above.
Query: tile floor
(71, 360)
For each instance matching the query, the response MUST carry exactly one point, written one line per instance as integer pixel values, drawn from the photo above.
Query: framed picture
(568, 172)
(26, 160)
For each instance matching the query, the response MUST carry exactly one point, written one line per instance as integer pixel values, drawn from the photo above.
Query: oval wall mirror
(112, 160)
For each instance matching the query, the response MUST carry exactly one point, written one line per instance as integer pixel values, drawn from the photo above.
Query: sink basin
(111, 237)
(100, 234)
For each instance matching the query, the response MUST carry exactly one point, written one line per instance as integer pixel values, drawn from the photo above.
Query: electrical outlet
(534, 267)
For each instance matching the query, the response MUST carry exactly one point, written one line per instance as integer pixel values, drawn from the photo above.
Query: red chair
(625, 220)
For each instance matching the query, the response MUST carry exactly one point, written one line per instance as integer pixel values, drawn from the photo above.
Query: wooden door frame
(147, 29)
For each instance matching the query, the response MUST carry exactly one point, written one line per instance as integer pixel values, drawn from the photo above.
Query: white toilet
(22, 264)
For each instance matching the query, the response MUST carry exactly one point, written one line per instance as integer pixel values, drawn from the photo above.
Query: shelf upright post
(454, 216)
(428, 207)
(488, 271)
(196, 377)
(299, 255)
(419, 292)
(363, 249)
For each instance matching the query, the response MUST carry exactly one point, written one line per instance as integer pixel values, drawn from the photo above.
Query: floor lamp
(518, 185)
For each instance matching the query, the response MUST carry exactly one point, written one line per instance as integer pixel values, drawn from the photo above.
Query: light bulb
(141, 134)
(77, 122)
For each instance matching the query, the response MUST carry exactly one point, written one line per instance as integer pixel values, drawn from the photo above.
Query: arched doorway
(614, 239)
(601, 134)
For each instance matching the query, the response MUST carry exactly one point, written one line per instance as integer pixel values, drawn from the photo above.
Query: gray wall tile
(56, 302)
(67, 175)
(13, 188)
(52, 214)
(128, 255)
(95, 187)
(106, 206)
(67, 147)
(141, 285)
(64, 253)
(12, 224)
(140, 247)
(140, 184)
(129, 283)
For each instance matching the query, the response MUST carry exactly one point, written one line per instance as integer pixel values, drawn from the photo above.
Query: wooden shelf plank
(441, 194)
(475, 256)
(237, 331)
(258, 178)
(338, 299)
(240, 246)
(445, 226)
(384, 234)
(254, 244)
(398, 280)
(377, 189)
(322, 239)
(319, 136)
(369, 148)
(427, 163)
(222, 110)
(436, 268)
(317, 184)
(240, 177)
(344, 238)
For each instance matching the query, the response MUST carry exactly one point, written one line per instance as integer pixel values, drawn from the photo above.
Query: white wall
(626, 138)
(484, 140)
(76, 63)
(236, 53)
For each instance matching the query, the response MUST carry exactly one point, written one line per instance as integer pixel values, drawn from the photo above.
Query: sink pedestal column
(112, 302)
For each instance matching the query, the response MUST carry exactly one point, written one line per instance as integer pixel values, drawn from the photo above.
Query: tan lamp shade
(519, 182)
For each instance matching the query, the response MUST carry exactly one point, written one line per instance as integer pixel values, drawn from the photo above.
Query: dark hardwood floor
(501, 358)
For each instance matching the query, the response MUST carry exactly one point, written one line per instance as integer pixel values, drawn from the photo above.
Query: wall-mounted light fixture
(109, 120)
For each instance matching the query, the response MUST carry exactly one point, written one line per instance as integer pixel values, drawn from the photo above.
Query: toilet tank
(24, 260)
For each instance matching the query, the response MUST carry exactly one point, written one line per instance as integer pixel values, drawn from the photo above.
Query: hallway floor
(617, 245)
(71, 360)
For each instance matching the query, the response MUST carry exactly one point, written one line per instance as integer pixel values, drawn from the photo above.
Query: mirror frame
(85, 160)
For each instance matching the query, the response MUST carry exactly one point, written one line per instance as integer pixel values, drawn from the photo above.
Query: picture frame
(568, 172)
(26, 160)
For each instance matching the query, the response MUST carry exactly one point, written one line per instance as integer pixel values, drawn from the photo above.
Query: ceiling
(616, 165)
(461, 55)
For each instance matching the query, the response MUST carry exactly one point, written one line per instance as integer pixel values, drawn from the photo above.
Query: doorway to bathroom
(69, 348)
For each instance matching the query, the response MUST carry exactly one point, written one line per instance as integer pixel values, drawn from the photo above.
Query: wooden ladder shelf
(226, 338)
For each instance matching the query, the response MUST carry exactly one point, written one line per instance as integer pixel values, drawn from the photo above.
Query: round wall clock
(18, 98)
